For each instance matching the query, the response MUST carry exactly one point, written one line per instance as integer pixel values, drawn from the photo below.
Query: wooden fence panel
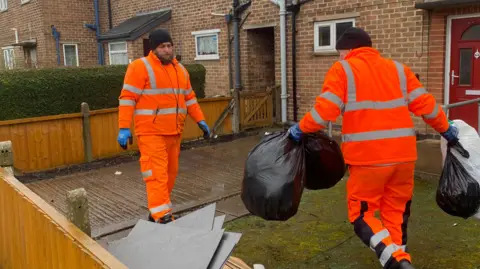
(55, 141)
(34, 235)
(45, 142)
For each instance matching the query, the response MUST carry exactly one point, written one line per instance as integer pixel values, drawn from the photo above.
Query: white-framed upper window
(206, 44)
(117, 53)
(3, 5)
(9, 57)
(70, 54)
(326, 33)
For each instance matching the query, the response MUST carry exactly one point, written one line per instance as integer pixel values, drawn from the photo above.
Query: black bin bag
(273, 179)
(324, 162)
(458, 193)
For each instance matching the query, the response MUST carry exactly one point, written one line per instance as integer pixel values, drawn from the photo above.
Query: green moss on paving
(320, 236)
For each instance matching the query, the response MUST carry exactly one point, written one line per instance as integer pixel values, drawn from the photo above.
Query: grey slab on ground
(198, 236)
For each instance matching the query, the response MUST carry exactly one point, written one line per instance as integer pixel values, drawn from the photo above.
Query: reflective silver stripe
(433, 114)
(147, 173)
(164, 111)
(387, 253)
(317, 118)
(191, 102)
(131, 88)
(402, 77)
(351, 86)
(415, 94)
(189, 91)
(161, 208)
(378, 237)
(375, 135)
(403, 247)
(334, 99)
(375, 104)
(126, 102)
(151, 74)
(164, 91)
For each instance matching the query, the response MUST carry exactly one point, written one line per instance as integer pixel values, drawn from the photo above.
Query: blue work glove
(295, 133)
(451, 135)
(123, 136)
(203, 125)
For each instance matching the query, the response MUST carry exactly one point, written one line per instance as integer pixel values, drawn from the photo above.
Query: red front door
(464, 77)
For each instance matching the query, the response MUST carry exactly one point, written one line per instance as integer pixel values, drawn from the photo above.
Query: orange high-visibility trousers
(387, 189)
(159, 165)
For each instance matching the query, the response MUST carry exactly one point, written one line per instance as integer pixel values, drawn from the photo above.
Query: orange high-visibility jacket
(158, 96)
(375, 96)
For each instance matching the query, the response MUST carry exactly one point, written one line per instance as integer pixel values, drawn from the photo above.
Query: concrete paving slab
(233, 206)
(199, 219)
(187, 252)
(206, 174)
(224, 250)
(218, 222)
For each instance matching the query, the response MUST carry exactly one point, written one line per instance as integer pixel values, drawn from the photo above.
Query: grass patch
(320, 236)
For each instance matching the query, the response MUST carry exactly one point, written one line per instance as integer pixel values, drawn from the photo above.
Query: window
(70, 54)
(9, 57)
(327, 33)
(117, 53)
(206, 44)
(3, 5)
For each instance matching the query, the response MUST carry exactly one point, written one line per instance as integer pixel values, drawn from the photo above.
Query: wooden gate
(256, 109)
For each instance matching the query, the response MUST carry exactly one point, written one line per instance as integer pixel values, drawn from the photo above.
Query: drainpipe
(109, 6)
(96, 27)
(56, 35)
(295, 10)
(283, 57)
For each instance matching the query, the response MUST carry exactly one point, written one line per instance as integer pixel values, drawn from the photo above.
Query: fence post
(6, 156)
(77, 210)
(87, 136)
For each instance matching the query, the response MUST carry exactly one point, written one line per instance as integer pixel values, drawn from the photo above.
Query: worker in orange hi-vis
(157, 94)
(375, 96)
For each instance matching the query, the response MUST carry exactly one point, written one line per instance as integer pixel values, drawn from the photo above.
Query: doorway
(261, 59)
(464, 70)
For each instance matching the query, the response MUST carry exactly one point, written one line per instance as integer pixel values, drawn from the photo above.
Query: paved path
(206, 174)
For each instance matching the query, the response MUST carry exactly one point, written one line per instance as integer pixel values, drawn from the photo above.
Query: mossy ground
(320, 236)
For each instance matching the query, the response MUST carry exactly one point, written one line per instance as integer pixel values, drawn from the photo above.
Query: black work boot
(166, 219)
(404, 264)
(150, 218)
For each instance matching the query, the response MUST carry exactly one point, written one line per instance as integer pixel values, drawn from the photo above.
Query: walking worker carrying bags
(157, 93)
(375, 96)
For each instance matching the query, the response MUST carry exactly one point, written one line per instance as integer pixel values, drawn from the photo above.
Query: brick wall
(69, 17)
(27, 18)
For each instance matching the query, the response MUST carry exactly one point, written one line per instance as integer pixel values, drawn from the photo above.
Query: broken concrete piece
(199, 219)
(218, 222)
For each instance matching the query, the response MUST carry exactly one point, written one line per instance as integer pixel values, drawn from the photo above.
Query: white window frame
(76, 52)
(4, 49)
(333, 34)
(116, 52)
(197, 34)
(3, 5)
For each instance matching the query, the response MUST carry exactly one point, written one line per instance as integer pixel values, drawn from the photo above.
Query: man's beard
(164, 60)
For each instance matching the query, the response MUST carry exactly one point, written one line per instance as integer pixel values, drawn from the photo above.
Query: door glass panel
(472, 33)
(466, 56)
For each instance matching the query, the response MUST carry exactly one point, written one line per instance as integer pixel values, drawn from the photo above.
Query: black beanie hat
(158, 37)
(353, 38)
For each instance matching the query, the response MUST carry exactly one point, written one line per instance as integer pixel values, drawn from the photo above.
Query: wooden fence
(55, 141)
(34, 235)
